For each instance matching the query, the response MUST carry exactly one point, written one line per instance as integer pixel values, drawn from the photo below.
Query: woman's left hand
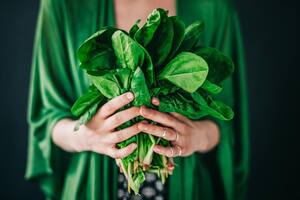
(187, 136)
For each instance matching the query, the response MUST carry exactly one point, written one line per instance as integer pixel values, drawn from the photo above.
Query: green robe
(57, 81)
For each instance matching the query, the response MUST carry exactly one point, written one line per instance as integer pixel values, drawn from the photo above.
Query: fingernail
(155, 101)
(130, 96)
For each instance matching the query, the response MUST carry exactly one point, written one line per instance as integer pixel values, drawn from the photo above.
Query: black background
(270, 30)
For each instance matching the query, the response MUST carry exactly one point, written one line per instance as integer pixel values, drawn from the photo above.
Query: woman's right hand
(99, 134)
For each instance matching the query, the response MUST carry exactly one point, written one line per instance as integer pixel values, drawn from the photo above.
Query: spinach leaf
(212, 107)
(148, 68)
(145, 34)
(187, 70)
(134, 28)
(98, 41)
(220, 66)
(164, 88)
(140, 89)
(129, 54)
(107, 84)
(85, 101)
(88, 114)
(99, 60)
(123, 76)
(179, 29)
(177, 103)
(192, 36)
(211, 87)
(160, 47)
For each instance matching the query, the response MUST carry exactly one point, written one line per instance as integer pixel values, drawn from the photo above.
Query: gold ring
(172, 151)
(164, 133)
(177, 136)
(180, 150)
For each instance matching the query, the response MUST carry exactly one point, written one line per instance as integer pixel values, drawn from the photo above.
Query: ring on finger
(164, 133)
(176, 136)
(172, 151)
(179, 150)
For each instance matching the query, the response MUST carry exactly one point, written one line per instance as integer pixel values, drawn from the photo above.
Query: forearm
(64, 136)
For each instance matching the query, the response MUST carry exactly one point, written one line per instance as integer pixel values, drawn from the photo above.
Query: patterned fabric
(151, 189)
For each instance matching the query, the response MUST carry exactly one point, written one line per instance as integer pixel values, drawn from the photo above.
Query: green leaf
(134, 28)
(85, 101)
(192, 36)
(179, 29)
(107, 84)
(220, 66)
(148, 68)
(187, 70)
(211, 87)
(178, 103)
(99, 40)
(145, 34)
(212, 107)
(99, 60)
(140, 89)
(164, 88)
(129, 54)
(87, 115)
(161, 44)
(123, 76)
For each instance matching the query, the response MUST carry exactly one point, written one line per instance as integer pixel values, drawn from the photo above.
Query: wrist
(80, 141)
(210, 136)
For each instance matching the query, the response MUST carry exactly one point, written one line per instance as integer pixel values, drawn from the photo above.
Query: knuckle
(182, 128)
(149, 113)
(110, 107)
(119, 137)
(170, 120)
(135, 110)
(117, 119)
(135, 128)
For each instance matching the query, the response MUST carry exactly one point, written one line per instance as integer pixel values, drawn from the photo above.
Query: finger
(118, 162)
(121, 117)
(159, 131)
(155, 101)
(121, 153)
(124, 134)
(115, 104)
(166, 151)
(180, 117)
(160, 117)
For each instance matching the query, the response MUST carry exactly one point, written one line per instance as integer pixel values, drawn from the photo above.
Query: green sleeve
(50, 98)
(223, 172)
(56, 82)
(232, 154)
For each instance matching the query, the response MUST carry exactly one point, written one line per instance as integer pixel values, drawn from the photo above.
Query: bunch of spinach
(163, 58)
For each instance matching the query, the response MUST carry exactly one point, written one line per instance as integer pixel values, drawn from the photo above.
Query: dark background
(270, 34)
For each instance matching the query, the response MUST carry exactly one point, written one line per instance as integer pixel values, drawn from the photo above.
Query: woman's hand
(99, 134)
(186, 136)
(100, 130)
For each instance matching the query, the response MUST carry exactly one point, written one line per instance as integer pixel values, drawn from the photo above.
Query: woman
(212, 156)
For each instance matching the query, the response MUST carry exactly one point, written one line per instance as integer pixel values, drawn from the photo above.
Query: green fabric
(56, 81)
